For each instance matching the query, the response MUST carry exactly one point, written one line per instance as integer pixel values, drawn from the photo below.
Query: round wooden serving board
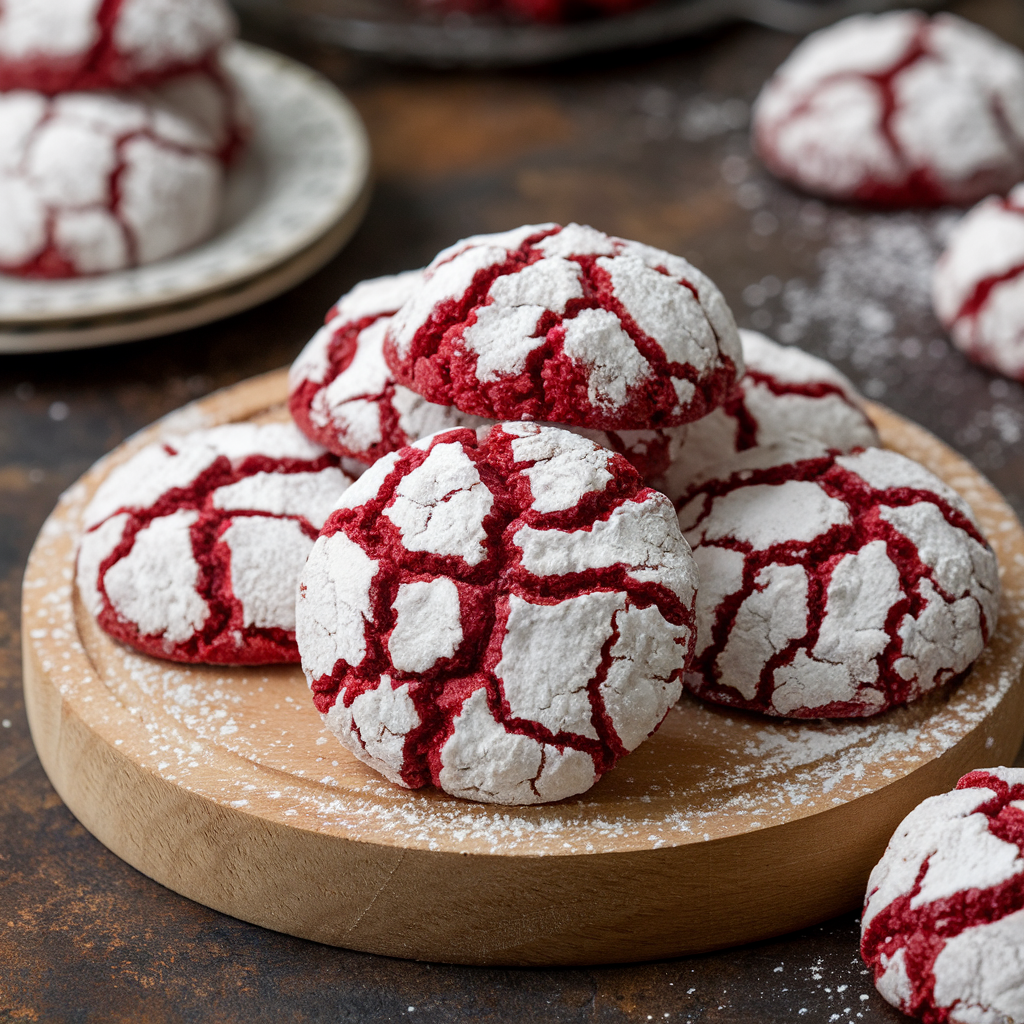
(723, 828)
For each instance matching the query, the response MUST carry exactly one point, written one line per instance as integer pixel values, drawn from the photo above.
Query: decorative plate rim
(191, 311)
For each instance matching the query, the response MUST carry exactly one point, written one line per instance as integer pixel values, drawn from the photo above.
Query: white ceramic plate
(290, 205)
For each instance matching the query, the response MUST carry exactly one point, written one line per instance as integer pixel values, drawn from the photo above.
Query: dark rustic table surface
(651, 146)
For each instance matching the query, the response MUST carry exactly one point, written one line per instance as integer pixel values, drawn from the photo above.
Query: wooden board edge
(572, 911)
(344, 892)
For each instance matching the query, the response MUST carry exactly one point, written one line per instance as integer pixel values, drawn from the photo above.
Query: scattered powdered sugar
(867, 307)
(873, 265)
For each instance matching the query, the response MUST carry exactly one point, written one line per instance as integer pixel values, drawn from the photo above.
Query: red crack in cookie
(343, 395)
(341, 392)
(54, 46)
(978, 286)
(91, 183)
(193, 547)
(785, 392)
(897, 109)
(566, 325)
(834, 585)
(503, 613)
(210, 99)
(943, 924)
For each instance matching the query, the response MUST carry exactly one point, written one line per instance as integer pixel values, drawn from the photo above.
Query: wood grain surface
(222, 784)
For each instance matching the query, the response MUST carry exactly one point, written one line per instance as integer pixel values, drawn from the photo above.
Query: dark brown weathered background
(650, 146)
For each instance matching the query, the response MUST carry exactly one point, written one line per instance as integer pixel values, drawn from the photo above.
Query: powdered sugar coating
(566, 325)
(92, 182)
(503, 613)
(341, 392)
(210, 99)
(898, 109)
(343, 395)
(192, 548)
(834, 585)
(54, 46)
(978, 285)
(785, 392)
(943, 924)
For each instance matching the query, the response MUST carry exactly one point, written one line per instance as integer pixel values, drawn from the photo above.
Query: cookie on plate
(91, 182)
(210, 99)
(978, 285)
(834, 585)
(192, 549)
(785, 392)
(943, 924)
(343, 395)
(54, 46)
(566, 325)
(503, 613)
(897, 109)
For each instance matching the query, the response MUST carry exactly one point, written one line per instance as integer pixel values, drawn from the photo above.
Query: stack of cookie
(116, 124)
(835, 579)
(579, 490)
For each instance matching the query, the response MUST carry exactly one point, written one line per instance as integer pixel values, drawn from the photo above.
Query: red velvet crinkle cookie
(341, 392)
(344, 396)
(896, 109)
(54, 46)
(785, 392)
(210, 99)
(192, 549)
(566, 325)
(943, 924)
(503, 613)
(978, 285)
(92, 182)
(834, 585)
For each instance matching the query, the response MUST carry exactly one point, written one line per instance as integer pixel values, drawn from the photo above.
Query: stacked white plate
(291, 204)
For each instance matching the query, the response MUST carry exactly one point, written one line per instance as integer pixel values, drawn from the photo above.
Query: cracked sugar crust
(978, 284)
(834, 586)
(343, 395)
(943, 924)
(91, 183)
(784, 393)
(566, 325)
(192, 549)
(502, 613)
(210, 99)
(896, 109)
(55, 46)
(341, 392)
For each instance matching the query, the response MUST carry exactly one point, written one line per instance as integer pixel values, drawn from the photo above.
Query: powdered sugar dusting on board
(706, 774)
(867, 308)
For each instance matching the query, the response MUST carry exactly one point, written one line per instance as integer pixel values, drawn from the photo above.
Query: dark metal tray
(400, 30)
